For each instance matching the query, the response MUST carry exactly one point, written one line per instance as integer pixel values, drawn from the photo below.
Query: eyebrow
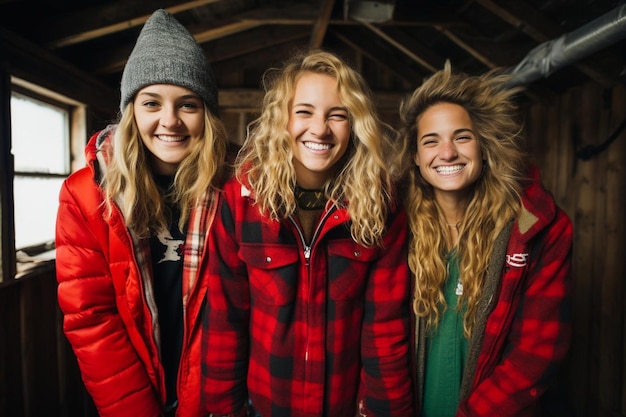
(456, 132)
(312, 106)
(157, 95)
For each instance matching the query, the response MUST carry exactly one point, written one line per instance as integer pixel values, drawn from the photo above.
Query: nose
(169, 117)
(447, 150)
(319, 126)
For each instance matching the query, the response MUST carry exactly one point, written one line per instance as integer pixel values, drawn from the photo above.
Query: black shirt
(166, 248)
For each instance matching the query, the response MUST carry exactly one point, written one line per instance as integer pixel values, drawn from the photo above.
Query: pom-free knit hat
(166, 53)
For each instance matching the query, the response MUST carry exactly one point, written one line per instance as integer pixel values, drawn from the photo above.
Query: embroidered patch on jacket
(517, 260)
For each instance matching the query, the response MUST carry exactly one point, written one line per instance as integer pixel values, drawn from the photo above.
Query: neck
(453, 208)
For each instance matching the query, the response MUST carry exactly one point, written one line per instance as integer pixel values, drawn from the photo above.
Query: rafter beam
(321, 24)
(523, 17)
(400, 47)
(381, 56)
(127, 24)
(467, 47)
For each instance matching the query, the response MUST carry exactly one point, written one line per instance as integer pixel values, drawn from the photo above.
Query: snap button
(357, 253)
(268, 259)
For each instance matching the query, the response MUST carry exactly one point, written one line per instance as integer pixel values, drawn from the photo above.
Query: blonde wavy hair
(494, 201)
(362, 184)
(129, 180)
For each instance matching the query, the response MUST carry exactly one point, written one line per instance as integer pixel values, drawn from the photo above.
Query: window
(41, 157)
(42, 127)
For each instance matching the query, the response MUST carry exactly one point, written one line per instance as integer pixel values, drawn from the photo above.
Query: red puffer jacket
(105, 294)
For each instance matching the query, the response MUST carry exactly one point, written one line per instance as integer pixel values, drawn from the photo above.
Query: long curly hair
(129, 180)
(362, 184)
(495, 198)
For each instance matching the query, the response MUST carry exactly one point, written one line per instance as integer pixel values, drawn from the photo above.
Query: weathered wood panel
(38, 371)
(11, 380)
(592, 192)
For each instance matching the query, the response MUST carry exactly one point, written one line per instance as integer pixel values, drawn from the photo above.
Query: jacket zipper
(307, 257)
(308, 248)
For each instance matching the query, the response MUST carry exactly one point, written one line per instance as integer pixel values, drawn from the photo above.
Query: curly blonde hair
(362, 184)
(494, 201)
(129, 180)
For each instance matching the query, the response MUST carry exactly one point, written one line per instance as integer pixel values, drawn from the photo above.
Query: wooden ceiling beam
(238, 44)
(412, 55)
(381, 56)
(305, 15)
(321, 24)
(122, 25)
(467, 47)
(523, 17)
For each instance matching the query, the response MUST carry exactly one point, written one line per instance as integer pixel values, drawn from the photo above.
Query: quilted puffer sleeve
(111, 369)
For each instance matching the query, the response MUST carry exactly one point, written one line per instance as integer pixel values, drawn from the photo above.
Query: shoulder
(539, 208)
(80, 189)
(81, 181)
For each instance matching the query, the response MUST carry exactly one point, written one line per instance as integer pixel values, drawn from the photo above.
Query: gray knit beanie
(166, 53)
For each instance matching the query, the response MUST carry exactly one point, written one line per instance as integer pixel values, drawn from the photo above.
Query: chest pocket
(272, 272)
(349, 268)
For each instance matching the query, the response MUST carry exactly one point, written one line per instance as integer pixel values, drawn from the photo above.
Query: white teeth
(166, 138)
(449, 169)
(317, 146)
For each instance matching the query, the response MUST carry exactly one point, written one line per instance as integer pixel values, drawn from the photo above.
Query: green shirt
(446, 352)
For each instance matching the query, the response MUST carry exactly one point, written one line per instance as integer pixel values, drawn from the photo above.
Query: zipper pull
(307, 254)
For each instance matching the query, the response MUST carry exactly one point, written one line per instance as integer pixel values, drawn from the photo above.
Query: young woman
(131, 229)
(309, 275)
(489, 249)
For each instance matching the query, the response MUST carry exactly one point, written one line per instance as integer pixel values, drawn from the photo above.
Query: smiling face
(320, 129)
(448, 151)
(170, 119)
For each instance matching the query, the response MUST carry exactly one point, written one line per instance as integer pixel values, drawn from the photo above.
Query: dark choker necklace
(310, 199)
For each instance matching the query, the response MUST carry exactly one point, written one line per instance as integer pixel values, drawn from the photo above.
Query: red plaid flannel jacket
(299, 330)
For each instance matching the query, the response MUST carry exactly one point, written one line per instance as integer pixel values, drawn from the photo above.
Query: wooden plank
(469, 48)
(11, 379)
(609, 386)
(613, 365)
(567, 158)
(617, 182)
(120, 25)
(524, 17)
(238, 43)
(381, 56)
(29, 62)
(582, 188)
(321, 24)
(408, 52)
(38, 341)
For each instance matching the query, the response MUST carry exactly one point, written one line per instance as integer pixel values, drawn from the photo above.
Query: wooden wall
(592, 191)
(38, 371)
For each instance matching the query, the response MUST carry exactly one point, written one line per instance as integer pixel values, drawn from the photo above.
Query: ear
(416, 159)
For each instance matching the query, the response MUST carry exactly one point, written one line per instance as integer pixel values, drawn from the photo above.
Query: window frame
(77, 131)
